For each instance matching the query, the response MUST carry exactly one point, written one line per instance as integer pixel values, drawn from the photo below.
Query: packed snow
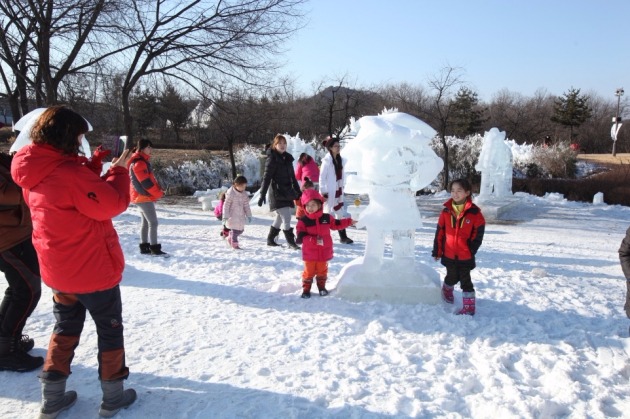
(218, 333)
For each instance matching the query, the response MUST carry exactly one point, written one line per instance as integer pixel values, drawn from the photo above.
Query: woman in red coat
(313, 232)
(79, 253)
(145, 191)
(458, 236)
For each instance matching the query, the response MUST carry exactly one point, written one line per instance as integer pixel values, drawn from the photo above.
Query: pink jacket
(309, 170)
(218, 210)
(236, 209)
(72, 209)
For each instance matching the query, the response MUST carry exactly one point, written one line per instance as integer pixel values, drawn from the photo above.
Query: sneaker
(323, 292)
(306, 294)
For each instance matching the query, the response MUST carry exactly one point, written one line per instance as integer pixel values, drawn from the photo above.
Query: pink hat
(309, 195)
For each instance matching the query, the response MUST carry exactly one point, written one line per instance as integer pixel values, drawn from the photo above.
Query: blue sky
(518, 45)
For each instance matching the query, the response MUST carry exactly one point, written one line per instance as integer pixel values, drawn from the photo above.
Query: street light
(619, 92)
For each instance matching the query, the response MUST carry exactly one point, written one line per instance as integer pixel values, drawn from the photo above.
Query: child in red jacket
(458, 236)
(313, 233)
(299, 208)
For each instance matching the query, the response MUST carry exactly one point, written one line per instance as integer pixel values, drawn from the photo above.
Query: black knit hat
(330, 141)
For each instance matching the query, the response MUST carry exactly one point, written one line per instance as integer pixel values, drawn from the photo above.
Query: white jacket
(328, 181)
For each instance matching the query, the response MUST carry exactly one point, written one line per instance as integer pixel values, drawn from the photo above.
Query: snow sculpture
(389, 160)
(495, 165)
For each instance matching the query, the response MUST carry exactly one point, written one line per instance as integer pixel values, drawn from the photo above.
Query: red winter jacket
(457, 238)
(317, 225)
(144, 186)
(72, 209)
(308, 170)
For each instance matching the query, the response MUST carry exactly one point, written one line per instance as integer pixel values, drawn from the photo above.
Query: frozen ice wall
(389, 160)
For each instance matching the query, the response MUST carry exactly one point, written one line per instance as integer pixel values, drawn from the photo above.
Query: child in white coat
(236, 210)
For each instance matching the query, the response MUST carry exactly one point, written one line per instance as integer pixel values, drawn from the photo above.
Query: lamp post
(619, 92)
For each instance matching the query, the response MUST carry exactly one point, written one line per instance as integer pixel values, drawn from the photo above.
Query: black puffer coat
(279, 179)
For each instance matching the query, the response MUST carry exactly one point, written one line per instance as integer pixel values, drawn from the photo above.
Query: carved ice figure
(389, 160)
(495, 165)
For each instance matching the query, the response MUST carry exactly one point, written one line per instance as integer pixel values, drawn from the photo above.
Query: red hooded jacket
(458, 237)
(144, 186)
(72, 209)
(317, 225)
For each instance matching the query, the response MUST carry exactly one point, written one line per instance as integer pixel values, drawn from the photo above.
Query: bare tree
(408, 98)
(240, 114)
(196, 42)
(44, 42)
(443, 86)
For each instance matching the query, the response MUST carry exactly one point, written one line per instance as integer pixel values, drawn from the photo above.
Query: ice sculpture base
(496, 209)
(398, 282)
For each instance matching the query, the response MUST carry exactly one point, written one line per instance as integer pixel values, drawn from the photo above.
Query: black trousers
(105, 308)
(456, 273)
(21, 269)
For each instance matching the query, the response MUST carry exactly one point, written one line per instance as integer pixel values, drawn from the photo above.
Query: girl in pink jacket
(236, 210)
(313, 233)
(306, 168)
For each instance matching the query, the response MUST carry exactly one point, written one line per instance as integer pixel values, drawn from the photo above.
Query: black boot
(55, 398)
(25, 343)
(288, 234)
(13, 359)
(321, 285)
(271, 238)
(344, 238)
(156, 250)
(145, 249)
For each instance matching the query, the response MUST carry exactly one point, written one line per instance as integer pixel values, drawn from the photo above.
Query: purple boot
(447, 294)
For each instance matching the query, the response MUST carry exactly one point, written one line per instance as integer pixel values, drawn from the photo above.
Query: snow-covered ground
(218, 333)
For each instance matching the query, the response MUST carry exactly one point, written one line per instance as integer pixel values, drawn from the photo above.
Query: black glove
(261, 201)
(300, 238)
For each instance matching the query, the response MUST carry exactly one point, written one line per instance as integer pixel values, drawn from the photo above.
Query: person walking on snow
(313, 233)
(458, 236)
(299, 208)
(145, 191)
(236, 210)
(332, 180)
(18, 262)
(279, 179)
(79, 253)
(218, 212)
(306, 168)
(624, 259)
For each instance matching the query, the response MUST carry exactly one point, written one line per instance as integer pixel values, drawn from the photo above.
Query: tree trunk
(445, 177)
(232, 160)
(127, 119)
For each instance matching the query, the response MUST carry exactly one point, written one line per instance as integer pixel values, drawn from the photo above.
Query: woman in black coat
(279, 180)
